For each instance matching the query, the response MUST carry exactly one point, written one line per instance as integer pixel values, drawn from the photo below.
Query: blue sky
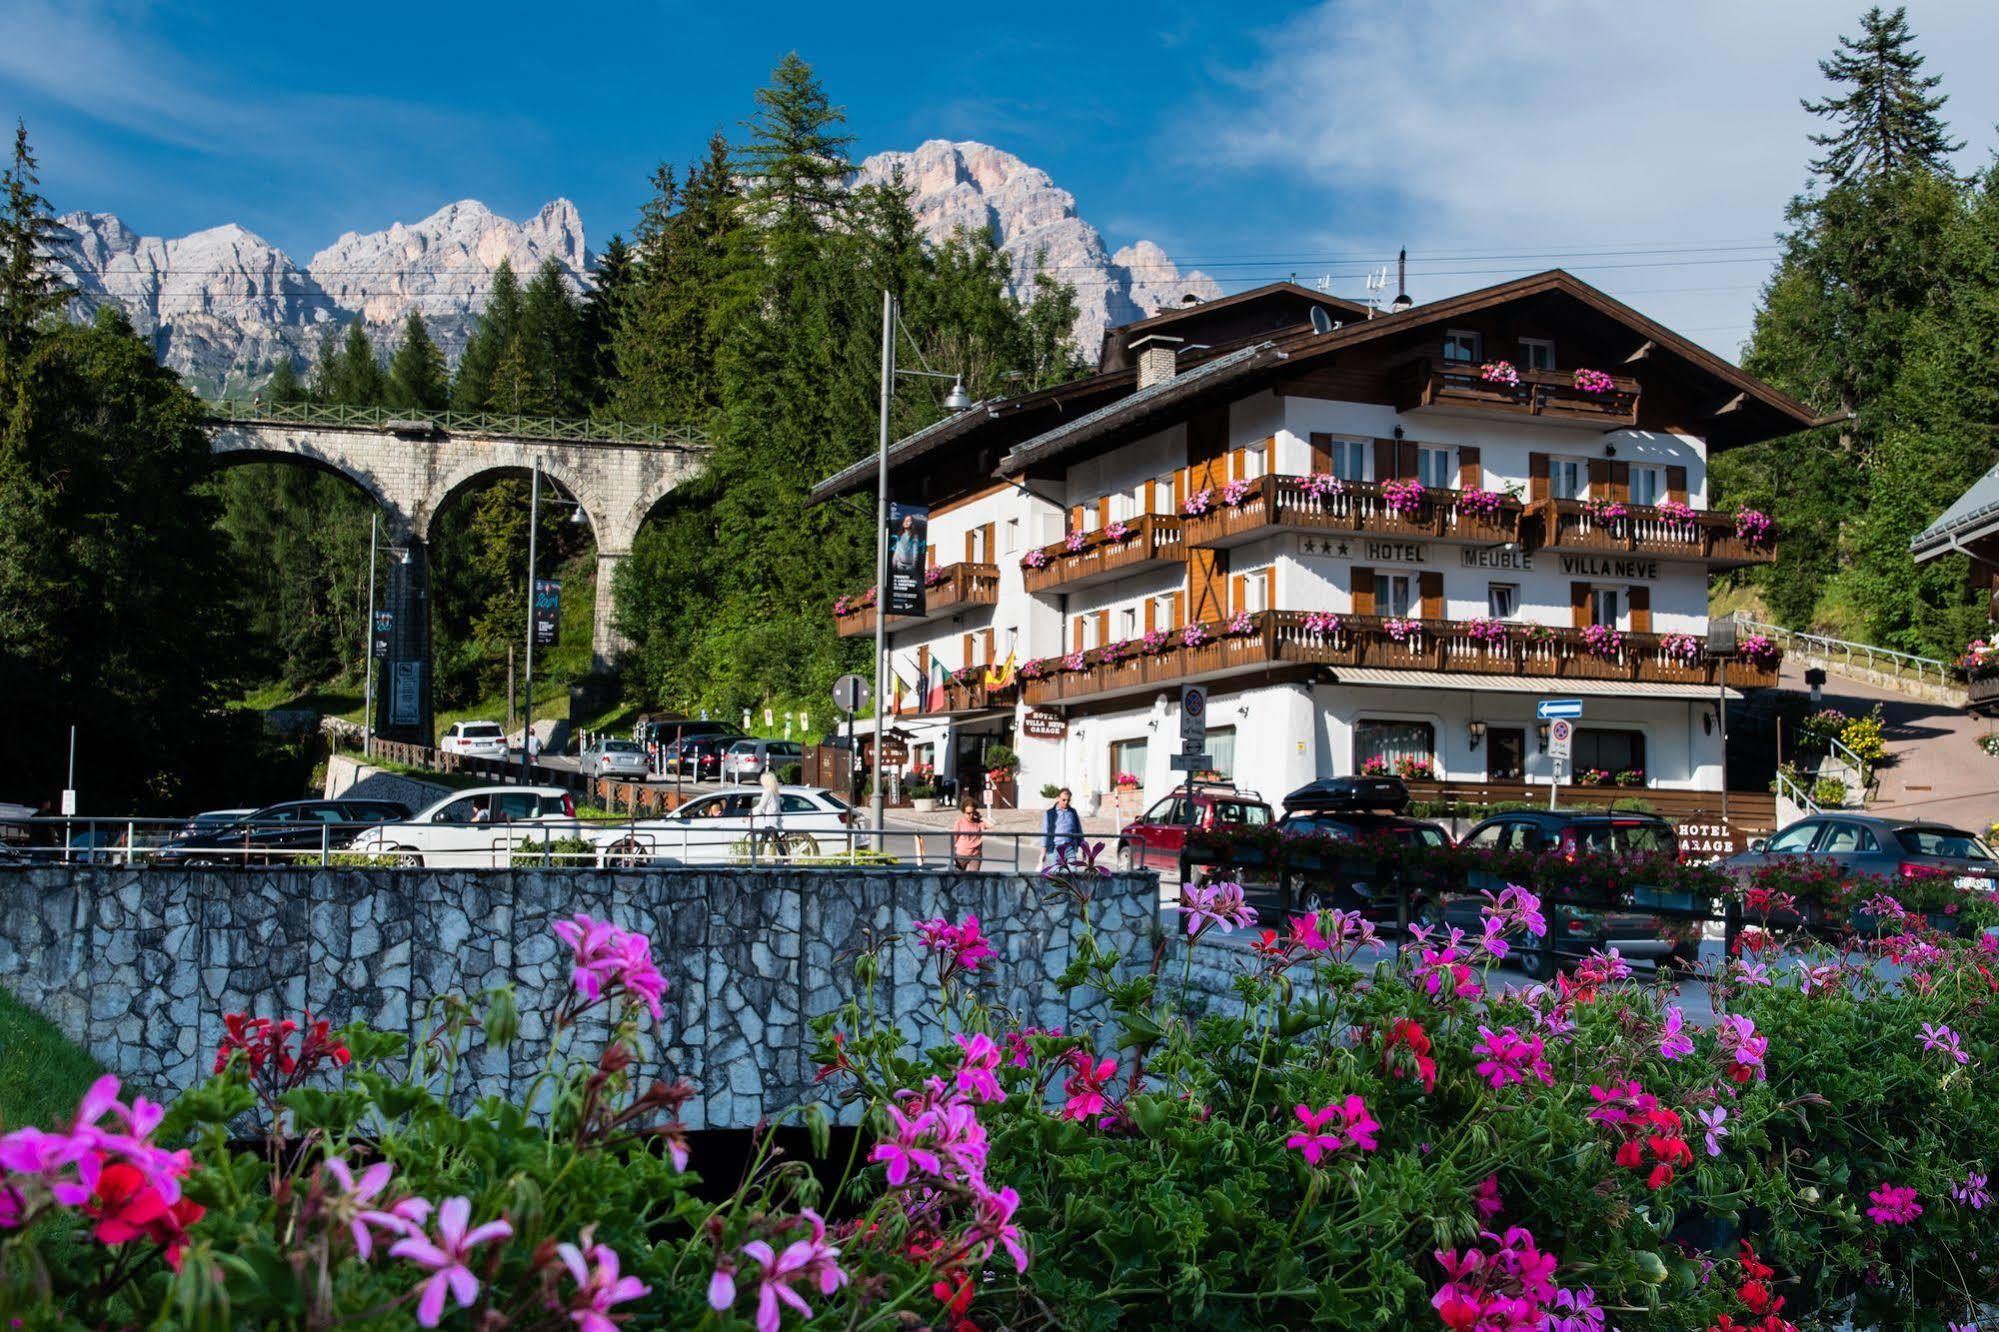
(1650, 148)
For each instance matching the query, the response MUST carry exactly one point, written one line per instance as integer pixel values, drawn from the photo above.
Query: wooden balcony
(1151, 542)
(1283, 638)
(963, 696)
(1708, 538)
(1454, 388)
(951, 589)
(1277, 504)
(1982, 695)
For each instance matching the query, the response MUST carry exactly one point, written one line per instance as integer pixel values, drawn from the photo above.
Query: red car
(1155, 838)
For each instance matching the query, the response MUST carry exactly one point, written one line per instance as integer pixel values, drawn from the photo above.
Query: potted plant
(1128, 791)
(923, 797)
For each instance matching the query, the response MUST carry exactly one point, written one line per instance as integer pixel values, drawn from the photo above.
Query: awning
(1521, 684)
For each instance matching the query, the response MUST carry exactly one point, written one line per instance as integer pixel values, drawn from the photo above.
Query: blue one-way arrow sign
(1551, 708)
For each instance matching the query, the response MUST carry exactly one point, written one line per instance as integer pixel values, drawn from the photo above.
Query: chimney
(1157, 357)
(1402, 301)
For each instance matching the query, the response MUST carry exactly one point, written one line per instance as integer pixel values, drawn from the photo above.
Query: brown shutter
(1076, 636)
(992, 542)
(1322, 452)
(1361, 592)
(1405, 460)
(1537, 476)
(1238, 464)
(1270, 588)
(1620, 482)
(1471, 473)
(1179, 490)
(1599, 478)
(1641, 609)
(1384, 460)
(923, 675)
(1076, 519)
(1103, 628)
(1151, 614)
(992, 649)
(929, 556)
(1431, 585)
(1676, 484)
(1179, 610)
(1103, 512)
(1238, 596)
(1579, 604)
(966, 660)
(971, 546)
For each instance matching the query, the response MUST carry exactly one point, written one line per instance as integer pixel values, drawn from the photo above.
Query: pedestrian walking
(1061, 832)
(767, 819)
(968, 837)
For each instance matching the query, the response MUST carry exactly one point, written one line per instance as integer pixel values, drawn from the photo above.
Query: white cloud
(1565, 127)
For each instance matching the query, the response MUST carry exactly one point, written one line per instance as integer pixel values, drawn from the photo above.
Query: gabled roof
(1168, 321)
(1975, 515)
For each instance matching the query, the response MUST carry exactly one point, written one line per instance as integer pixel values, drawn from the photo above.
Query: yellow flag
(1004, 676)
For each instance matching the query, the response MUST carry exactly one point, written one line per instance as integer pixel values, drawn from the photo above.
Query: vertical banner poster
(405, 693)
(547, 612)
(385, 628)
(908, 531)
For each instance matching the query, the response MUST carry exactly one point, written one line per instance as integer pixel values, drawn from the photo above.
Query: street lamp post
(527, 700)
(368, 644)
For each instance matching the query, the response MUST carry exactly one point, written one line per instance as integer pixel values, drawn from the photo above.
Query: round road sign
(1560, 730)
(850, 693)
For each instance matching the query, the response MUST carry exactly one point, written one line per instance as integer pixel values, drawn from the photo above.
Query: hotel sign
(1044, 725)
(1602, 566)
(1497, 557)
(1397, 552)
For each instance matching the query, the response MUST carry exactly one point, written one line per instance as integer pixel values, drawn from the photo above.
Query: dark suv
(281, 833)
(1155, 838)
(1574, 931)
(1359, 810)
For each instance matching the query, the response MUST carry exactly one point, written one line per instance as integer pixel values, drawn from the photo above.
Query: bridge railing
(558, 429)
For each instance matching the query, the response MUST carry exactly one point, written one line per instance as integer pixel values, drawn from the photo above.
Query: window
(1436, 468)
(1254, 464)
(1648, 485)
(975, 546)
(1162, 611)
(1085, 633)
(1162, 495)
(1502, 600)
(797, 804)
(1392, 595)
(1624, 839)
(1604, 603)
(1505, 754)
(1392, 746)
(1128, 623)
(1609, 751)
(1012, 536)
(1488, 836)
(1848, 837)
(1348, 459)
(1568, 478)
(1221, 749)
(1169, 810)
(1255, 589)
(1537, 354)
(1239, 814)
(1128, 756)
(1463, 347)
(1794, 840)
(1947, 842)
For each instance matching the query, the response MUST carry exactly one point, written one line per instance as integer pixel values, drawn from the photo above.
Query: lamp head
(957, 399)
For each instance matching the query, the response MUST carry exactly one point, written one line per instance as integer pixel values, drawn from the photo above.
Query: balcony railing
(1148, 542)
(950, 589)
(961, 696)
(1470, 647)
(1982, 694)
(1642, 529)
(1550, 395)
(1319, 504)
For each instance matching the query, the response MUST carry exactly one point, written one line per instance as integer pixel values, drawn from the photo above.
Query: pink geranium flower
(1674, 1042)
(598, 1286)
(1314, 1142)
(904, 1149)
(1972, 1192)
(445, 1258)
(1511, 1058)
(1219, 904)
(993, 1225)
(1085, 1086)
(608, 959)
(1938, 1036)
(978, 1074)
(355, 1197)
(1893, 1205)
(811, 1262)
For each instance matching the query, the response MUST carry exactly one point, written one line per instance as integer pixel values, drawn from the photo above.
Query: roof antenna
(1376, 281)
(1402, 301)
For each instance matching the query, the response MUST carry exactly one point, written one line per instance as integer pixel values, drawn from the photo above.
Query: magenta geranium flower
(905, 1149)
(1314, 1141)
(1938, 1036)
(1893, 1205)
(1674, 1041)
(1219, 904)
(608, 959)
(1511, 1058)
(446, 1257)
(598, 1286)
(1972, 1192)
(1084, 1087)
(993, 1225)
(809, 1262)
(1486, 1198)
(978, 1073)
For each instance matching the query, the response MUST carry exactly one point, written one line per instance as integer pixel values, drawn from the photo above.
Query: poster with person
(908, 528)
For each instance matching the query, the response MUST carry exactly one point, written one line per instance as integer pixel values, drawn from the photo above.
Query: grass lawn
(42, 1075)
(332, 700)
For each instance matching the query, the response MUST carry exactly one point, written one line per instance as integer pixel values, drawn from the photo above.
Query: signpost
(385, 628)
(850, 695)
(1193, 742)
(1550, 708)
(1561, 743)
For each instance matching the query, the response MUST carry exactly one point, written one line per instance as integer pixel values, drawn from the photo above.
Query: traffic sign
(1550, 708)
(1561, 739)
(1189, 762)
(850, 693)
(1193, 718)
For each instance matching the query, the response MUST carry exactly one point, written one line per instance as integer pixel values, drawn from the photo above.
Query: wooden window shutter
(1537, 476)
(1362, 595)
(1270, 588)
(929, 555)
(1103, 512)
(1384, 460)
(1579, 604)
(971, 546)
(1599, 478)
(1103, 628)
(1151, 614)
(1322, 452)
(1406, 464)
(966, 660)
(1179, 611)
(991, 543)
(1238, 464)
(1180, 490)
(1676, 484)
(1431, 585)
(1620, 481)
(923, 670)
(1641, 609)
(1076, 636)
(1238, 594)
(1471, 473)
(1076, 519)
(992, 648)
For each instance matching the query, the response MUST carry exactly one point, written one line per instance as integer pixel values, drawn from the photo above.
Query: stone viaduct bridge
(412, 467)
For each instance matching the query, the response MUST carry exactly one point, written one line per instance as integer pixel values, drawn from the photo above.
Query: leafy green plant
(1049, 790)
(1829, 792)
(556, 851)
(1863, 736)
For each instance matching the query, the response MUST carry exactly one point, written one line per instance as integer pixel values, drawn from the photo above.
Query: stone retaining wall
(139, 965)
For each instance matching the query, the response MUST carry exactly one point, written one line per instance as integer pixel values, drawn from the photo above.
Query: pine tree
(353, 376)
(498, 325)
(418, 380)
(1888, 118)
(30, 291)
(551, 340)
(610, 287)
(516, 390)
(284, 385)
(796, 158)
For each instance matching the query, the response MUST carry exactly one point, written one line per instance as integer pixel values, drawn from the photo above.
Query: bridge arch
(236, 447)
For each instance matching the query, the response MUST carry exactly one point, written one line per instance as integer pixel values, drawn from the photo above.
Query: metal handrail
(1825, 646)
(1791, 791)
(560, 429)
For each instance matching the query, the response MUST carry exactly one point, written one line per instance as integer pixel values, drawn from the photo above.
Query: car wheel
(1427, 912)
(1536, 959)
(1311, 901)
(1127, 859)
(407, 857)
(627, 854)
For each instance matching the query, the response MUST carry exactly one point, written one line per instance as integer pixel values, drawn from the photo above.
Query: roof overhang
(1975, 517)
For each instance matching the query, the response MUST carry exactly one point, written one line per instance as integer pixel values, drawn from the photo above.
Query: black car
(1359, 810)
(1574, 931)
(698, 758)
(291, 830)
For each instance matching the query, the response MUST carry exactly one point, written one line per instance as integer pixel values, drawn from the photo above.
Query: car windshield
(743, 747)
(621, 747)
(1950, 843)
(1623, 838)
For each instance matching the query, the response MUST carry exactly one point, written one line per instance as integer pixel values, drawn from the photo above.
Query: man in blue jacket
(1061, 832)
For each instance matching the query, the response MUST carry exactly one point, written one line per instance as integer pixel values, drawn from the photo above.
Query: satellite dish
(1321, 321)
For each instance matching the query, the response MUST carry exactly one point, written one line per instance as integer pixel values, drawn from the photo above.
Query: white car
(477, 829)
(476, 739)
(614, 758)
(716, 830)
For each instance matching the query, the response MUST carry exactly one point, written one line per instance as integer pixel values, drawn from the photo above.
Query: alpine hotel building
(1378, 538)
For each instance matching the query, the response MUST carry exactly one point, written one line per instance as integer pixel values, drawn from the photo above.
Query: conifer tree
(30, 291)
(418, 380)
(352, 375)
(551, 341)
(498, 324)
(610, 286)
(284, 385)
(1888, 118)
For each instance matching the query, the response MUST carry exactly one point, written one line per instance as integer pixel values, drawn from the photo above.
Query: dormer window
(1463, 347)
(1537, 353)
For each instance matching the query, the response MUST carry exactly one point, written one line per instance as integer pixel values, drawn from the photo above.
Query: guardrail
(1791, 791)
(556, 429)
(1896, 663)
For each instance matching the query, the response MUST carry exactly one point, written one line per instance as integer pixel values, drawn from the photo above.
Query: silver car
(746, 760)
(614, 758)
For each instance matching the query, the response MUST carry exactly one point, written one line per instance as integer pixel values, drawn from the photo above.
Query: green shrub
(1829, 792)
(557, 852)
(791, 774)
(1049, 790)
